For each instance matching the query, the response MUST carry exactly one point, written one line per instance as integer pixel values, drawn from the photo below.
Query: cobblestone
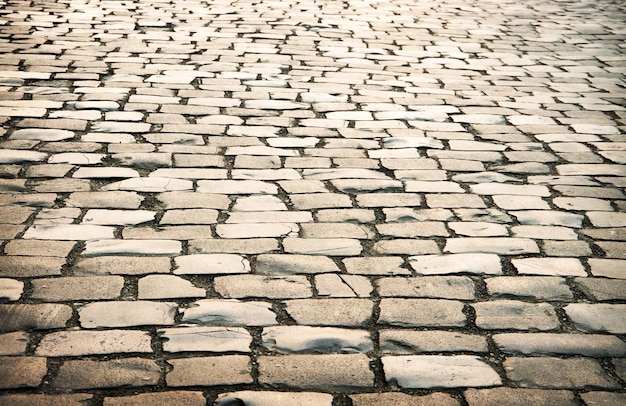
(317, 203)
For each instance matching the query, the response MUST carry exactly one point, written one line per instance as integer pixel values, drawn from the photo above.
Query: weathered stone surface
(416, 342)
(132, 247)
(121, 265)
(208, 371)
(603, 398)
(211, 264)
(77, 399)
(330, 312)
(316, 340)
(501, 246)
(15, 317)
(10, 290)
(435, 371)
(183, 398)
(338, 285)
(276, 264)
(69, 232)
(421, 312)
(513, 314)
(456, 263)
(602, 289)
(519, 397)
(317, 372)
(592, 345)
(266, 398)
(402, 399)
(326, 246)
(21, 372)
(266, 286)
(446, 287)
(229, 313)
(558, 373)
(77, 288)
(125, 314)
(13, 343)
(85, 374)
(209, 339)
(597, 317)
(167, 286)
(77, 343)
(533, 287)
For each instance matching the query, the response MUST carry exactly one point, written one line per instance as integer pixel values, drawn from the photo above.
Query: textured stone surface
(84, 374)
(269, 202)
(317, 372)
(557, 373)
(434, 371)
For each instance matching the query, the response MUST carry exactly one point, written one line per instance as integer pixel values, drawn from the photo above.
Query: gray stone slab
(206, 339)
(316, 340)
(211, 264)
(131, 247)
(64, 232)
(488, 264)
(229, 313)
(597, 317)
(436, 371)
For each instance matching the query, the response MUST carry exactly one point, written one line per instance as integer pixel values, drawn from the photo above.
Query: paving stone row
(312, 202)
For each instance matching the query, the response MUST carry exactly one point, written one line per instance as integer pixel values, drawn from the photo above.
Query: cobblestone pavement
(312, 202)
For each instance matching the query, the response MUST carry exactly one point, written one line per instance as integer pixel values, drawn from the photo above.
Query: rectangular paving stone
(39, 248)
(234, 246)
(208, 339)
(533, 287)
(210, 371)
(229, 312)
(445, 287)
(602, 289)
(610, 268)
(517, 315)
(187, 398)
(416, 342)
(131, 247)
(264, 286)
(549, 266)
(316, 340)
(597, 317)
(478, 263)
(211, 264)
(126, 314)
(123, 372)
(436, 371)
(454, 200)
(421, 312)
(22, 372)
(66, 232)
(77, 288)
(94, 199)
(336, 372)
(27, 266)
(376, 266)
(590, 345)
(13, 343)
(16, 317)
(519, 397)
(78, 343)
(76, 399)
(496, 245)
(326, 246)
(275, 398)
(121, 265)
(557, 373)
(330, 312)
